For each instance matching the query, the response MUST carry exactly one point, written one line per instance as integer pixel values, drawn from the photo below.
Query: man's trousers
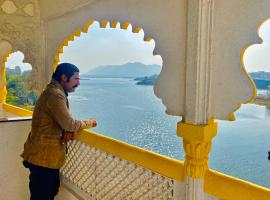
(43, 182)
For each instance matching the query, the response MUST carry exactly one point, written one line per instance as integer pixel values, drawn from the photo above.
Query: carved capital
(197, 144)
(196, 159)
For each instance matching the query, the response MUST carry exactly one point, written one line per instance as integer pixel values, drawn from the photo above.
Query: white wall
(65, 194)
(13, 176)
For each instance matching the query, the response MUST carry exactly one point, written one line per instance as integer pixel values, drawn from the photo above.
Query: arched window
(18, 73)
(118, 70)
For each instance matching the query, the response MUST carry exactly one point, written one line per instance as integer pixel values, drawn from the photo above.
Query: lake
(133, 114)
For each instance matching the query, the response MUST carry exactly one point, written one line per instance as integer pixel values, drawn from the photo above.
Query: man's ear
(63, 77)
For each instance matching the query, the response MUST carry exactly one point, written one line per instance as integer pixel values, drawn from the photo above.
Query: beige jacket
(51, 118)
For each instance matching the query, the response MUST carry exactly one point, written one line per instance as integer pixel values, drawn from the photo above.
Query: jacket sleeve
(59, 111)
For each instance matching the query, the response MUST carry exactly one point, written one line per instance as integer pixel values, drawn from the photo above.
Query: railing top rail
(16, 110)
(228, 187)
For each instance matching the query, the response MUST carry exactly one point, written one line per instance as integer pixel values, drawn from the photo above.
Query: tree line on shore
(18, 92)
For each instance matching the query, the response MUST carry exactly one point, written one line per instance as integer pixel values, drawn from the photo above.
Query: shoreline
(262, 101)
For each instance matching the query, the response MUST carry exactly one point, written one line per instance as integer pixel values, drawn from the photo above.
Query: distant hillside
(261, 84)
(129, 70)
(260, 75)
(261, 79)
(147, 80)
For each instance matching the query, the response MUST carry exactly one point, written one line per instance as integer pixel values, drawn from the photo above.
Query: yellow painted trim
(245, 71)
(125, 25)
(16, 110)
(104, 23)
(249, 78)
(197, 145)
(71, 37)
(87, 25)
(3, 89)
(137, 29)
(55, 66)
(231, 117)
(195, 133)
(56, 58)
(78, 32)
(163, 165)
(114, 24)
(216, 184)
(231, 188)
(60, 50)
(148, 39)
(65, 42)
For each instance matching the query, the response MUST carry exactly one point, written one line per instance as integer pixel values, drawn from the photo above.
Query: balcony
(100, 167)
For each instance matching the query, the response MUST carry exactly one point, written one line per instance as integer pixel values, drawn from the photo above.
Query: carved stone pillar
(196, 129)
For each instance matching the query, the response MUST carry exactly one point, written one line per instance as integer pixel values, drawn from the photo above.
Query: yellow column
(197, 144)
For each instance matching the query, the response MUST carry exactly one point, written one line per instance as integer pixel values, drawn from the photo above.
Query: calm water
(132, 113)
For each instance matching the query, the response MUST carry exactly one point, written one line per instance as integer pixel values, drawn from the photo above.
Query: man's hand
(93, 122)
(67, 136)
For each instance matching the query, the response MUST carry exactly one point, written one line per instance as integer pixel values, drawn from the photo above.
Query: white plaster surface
(65, 194)
(179, 191)
(4, 47)
(13, 176)
(165, 22)
(234, 27)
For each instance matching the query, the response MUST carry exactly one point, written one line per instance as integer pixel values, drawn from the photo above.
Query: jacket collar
(56, 84)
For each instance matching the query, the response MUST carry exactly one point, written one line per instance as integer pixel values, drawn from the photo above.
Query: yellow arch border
(3, 89)
(232, 117)
(103, 24)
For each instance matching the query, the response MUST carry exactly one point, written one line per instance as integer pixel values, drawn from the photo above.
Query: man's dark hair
(64, 68)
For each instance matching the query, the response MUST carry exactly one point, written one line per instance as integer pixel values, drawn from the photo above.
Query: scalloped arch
(103, 24)
(3, 88)
(3, 81)
(243, 55)
(238, 106)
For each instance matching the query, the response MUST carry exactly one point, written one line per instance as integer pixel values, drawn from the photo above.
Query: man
(52, 126)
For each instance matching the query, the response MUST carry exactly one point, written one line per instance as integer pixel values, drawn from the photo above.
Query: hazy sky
(117, 46)
(16, 59)
(257, 57)
(102, 47)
